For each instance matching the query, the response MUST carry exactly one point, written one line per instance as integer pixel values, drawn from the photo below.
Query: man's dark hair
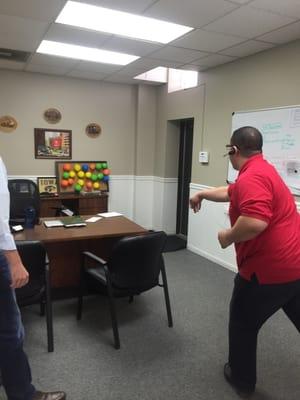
(248, 140)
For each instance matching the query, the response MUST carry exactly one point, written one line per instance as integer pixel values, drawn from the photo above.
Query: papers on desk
(53, 224)
(110, 214)
(93, 219)
(67, 222)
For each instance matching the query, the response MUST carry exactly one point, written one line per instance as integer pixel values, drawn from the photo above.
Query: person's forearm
(219, 194)
(12, 256)
(246, 228)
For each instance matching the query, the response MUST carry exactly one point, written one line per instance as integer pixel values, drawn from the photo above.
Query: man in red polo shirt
(265, 229)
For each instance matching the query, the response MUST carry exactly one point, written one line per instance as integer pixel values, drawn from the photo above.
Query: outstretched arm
(219, 194)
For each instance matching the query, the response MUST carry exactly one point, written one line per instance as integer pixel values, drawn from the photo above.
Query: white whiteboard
(280, 128)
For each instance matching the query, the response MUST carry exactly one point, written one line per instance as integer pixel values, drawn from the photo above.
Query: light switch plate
(203, 157)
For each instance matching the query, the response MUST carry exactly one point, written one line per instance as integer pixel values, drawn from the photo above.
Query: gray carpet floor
(156, 362)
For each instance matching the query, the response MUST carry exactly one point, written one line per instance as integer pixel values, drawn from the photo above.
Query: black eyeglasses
(231, 148)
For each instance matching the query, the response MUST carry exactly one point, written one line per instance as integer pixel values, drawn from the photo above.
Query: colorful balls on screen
(106, 171)
(96, 185)
(78, 187)
(89, 185)
(88, 174)
(80, 182)
(92, 166)
(99, 166)
(72, 174)
(64, 183)
(94, 177)
(80, 174)
(104, 165)
(85, 167)
(66, 175)
(100, 176)
(105, 178)
(67, 167)
(77, 167)
(71, 181)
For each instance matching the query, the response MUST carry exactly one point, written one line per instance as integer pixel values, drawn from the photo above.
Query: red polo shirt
(259, 192)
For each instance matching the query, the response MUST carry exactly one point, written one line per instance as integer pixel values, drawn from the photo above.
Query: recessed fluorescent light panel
(84, 53)
(120, 23)
(181, 79)
(159, 74)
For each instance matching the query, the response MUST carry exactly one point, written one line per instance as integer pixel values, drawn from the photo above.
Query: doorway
(186, 131)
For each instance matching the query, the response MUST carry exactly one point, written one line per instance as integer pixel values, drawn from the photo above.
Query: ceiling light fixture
(158, 74)
(120, 23)
(84, 53)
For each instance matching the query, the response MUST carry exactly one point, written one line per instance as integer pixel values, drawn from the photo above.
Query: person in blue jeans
(14, 365)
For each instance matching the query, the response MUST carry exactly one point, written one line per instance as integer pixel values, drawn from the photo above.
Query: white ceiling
(224, 30)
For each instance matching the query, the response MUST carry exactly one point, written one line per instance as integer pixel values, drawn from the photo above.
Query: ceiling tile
(241, 2)
(130, 46)
(200, 39)
(97, 67)
(145, 64)
(177, 54)
(283, 35)
(213, 60)
(87, 75)
(21, 34)
(43, 10)
(122, 79)
(195, 13)
(47, 69)
(44, 59)
(68, 34)
(6, 64)
(247, 48)
(134, 6)
(248, 22)
(290, 8)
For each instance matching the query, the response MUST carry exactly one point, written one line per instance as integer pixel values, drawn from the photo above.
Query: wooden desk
(79, 204)
(64, 245)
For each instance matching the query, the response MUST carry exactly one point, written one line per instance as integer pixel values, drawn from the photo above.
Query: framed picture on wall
(52, 143)
(47, 186)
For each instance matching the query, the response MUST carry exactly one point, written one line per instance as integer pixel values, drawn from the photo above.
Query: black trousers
(250, 307)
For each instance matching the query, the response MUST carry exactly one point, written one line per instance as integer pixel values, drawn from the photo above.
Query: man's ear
(233, 150)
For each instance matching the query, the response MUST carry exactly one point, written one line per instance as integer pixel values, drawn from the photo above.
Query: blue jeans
(14, 366)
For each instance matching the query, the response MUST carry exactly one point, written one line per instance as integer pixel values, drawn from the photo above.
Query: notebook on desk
(67, 222)
(70, 222)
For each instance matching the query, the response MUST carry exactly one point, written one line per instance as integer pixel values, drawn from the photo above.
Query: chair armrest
(95, 258)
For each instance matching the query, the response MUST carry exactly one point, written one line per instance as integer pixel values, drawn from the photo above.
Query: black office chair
(37, 290)
(24, 193)
(133, 267)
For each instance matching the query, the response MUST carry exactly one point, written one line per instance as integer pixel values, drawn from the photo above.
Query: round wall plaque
(93, 130)
(52, 115)
(8, 123)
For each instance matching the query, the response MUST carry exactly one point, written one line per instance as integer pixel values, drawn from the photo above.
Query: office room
(148, 138)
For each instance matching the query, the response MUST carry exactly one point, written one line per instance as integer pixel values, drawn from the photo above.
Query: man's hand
(19, 275)
(195, 202)
(224, 238)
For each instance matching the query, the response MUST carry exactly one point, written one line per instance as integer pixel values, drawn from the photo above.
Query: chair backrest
(24, 193)
(135, 262)
(33, 256)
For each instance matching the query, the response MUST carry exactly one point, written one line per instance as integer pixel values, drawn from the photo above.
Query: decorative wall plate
(93, 130)
(52, 115)
(8, 123)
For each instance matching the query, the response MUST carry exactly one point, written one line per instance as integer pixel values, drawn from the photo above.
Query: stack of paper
(110, 214)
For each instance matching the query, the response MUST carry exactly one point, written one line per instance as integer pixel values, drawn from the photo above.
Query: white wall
(203, 230)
